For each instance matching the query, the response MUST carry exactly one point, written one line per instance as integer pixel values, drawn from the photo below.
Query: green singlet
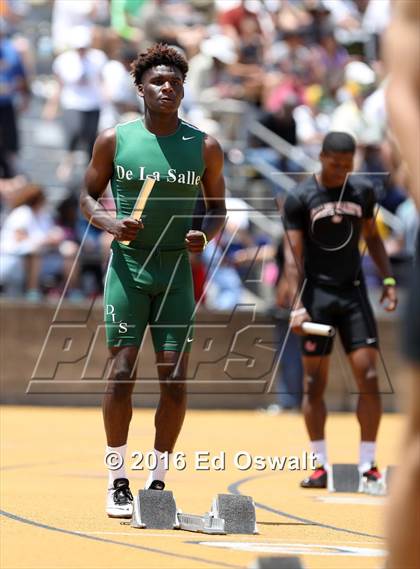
(149, 281)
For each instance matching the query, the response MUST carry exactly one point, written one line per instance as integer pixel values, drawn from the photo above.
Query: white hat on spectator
(80, 37)
(359, 72)
(220, 47)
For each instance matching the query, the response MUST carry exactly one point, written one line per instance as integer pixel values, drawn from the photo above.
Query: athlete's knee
(368, 381)
(121, 385)
(370, 374)
(175, 389)
(315, 386)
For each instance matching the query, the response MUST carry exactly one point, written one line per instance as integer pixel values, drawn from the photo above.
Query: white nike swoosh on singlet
(188, 137)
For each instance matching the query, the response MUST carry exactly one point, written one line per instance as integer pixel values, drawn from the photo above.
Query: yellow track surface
(53, 493)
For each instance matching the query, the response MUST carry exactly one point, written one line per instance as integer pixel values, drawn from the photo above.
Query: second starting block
(156, 509)
(347, 478)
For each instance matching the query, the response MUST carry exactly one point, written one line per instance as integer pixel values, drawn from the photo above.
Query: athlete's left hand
(389, 298)
(195, 241)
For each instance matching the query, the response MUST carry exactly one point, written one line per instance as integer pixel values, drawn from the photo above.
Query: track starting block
(154, 509)
(237, 511)
(229, 514)
(344, 478)
(203, 524)
(277, 562)
(347, 478)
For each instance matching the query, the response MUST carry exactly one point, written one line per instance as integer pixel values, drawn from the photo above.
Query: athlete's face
(336, 166)
(162, 89)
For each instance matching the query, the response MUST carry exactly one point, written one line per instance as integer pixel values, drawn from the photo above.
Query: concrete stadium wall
(59, 357)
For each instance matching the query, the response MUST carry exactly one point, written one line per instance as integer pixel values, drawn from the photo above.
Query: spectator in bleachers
(376, 16)
(345, 15)
(319, 20)
(290, 87)
(348, 116)
(119, 90)
(225, 287)
(14, 99)
(13, 192)
(279, 120)
(374, 113)
(11, 15)
(80, 94)
(126, 17)
(332, 59)
(208, 76)
(232, 14)
(293, 57)
(33, 248)
(70, 15)
(250, 42)
(312, 124)
(291, 16)
(175, 23)
(66, 220)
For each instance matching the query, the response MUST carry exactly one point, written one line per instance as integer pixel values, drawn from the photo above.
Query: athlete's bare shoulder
(101, 166)
(105, 142)
(212, 149)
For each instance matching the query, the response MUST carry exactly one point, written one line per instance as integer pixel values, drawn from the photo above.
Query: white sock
(367, 455)
(319, 448)
(111, 458)
(159, 473)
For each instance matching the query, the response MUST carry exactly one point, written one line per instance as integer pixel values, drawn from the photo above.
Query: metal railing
(283, 147)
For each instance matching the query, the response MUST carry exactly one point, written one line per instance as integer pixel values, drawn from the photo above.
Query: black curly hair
(158, 54)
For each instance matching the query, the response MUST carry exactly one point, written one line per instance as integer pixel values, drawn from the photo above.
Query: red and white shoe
(372, 481)
(318, 479)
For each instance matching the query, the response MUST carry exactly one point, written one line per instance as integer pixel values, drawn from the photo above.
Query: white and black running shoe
(157, 485)
(119, 501)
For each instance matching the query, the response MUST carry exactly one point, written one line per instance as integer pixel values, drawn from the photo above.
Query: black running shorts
(347, 309)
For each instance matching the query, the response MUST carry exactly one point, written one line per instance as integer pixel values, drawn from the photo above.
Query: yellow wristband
(205, 239)
(389, 281)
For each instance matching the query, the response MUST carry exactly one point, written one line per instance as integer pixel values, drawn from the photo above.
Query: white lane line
(299, 549)
(139, 533)
(349, 500)
(220, 539)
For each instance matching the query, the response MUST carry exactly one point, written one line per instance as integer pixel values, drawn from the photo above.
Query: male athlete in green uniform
(149, 282)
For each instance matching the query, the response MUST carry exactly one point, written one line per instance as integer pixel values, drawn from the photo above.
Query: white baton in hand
(318, 329)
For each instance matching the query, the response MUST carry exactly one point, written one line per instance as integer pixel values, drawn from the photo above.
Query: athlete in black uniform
(325, 218)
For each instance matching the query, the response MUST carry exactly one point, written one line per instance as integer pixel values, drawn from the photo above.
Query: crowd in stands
(299, 67)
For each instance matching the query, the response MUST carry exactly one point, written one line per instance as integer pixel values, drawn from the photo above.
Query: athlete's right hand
(126, 229)
(297, 318)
